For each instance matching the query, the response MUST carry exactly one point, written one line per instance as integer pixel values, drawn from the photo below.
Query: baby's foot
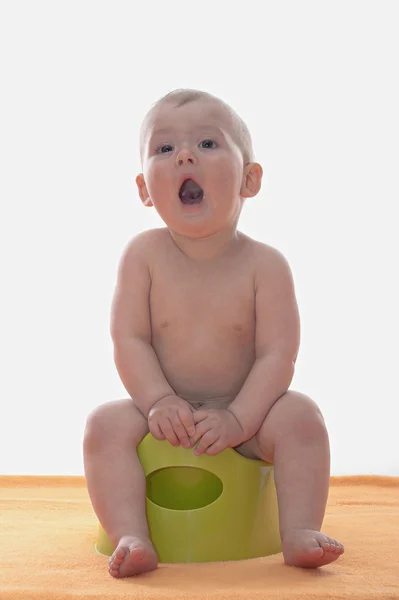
(308, 548)
(132, 556)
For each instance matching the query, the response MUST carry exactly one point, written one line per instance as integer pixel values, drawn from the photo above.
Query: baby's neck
(215, 246)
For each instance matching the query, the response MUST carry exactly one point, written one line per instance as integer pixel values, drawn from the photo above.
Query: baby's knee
(114, 421)
(298, 413)
(306, 415)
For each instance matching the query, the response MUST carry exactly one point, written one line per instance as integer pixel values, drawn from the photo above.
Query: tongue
(191, 192)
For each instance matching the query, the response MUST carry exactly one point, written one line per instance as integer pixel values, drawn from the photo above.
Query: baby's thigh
(292, 414)
(249, 449)
(118, 421)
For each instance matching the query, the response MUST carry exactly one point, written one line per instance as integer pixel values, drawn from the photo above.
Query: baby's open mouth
(190, 192)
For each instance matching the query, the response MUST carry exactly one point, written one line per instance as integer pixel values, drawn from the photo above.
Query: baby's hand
(216, 430)
(172, 418)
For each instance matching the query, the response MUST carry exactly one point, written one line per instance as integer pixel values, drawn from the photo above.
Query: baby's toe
(331, 545)
(113, 572)
(117, 558)
(325, 543)
(339, 548)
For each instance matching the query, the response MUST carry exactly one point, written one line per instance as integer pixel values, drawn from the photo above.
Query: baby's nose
(185, 156)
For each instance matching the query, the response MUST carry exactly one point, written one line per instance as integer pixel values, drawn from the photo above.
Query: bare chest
(195, 303)
(203, 324)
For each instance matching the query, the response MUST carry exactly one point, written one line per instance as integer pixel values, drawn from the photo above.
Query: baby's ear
(143, 192)
(251, 180)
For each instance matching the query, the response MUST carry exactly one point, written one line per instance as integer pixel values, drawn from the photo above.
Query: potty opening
(183, 488)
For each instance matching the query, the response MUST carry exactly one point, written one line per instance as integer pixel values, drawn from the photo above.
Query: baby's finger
(200, 415)
(180, 431)
(187, 418)
(209, 438)
(215, 448)
(155, 431)
(167, 429)
(200, 430)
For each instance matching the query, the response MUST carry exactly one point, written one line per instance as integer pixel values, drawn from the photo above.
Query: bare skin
(293, 435)
(133, 556)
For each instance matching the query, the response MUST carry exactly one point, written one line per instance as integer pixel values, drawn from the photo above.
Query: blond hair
(239, 129)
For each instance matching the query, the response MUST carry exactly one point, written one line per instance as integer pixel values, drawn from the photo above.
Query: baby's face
(194, 141)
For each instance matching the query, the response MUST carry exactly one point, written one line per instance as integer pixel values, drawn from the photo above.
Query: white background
(317, 84)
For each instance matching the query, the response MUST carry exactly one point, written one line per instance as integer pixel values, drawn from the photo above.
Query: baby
(206, 333)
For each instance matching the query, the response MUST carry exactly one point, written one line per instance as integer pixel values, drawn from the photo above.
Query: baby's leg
(294, 438)
(116, 484)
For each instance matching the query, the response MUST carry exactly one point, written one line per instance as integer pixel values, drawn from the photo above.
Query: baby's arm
(276, 344)
(168, 415)
(135, 359)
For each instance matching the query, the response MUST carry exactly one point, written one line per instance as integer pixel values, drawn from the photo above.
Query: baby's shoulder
(146, 242)
(264, 254)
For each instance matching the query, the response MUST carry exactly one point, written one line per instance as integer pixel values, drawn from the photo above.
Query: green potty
(206, 508)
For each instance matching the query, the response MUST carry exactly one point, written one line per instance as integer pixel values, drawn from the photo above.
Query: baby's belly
(206, 366)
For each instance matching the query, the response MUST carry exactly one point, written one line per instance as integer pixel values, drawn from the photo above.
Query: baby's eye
(208, 142)
(161, 148)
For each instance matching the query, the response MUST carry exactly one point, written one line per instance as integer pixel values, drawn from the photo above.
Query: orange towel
(48, 529)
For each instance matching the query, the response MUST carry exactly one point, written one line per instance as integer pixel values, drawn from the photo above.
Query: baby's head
(192, 134)
(180, 98)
